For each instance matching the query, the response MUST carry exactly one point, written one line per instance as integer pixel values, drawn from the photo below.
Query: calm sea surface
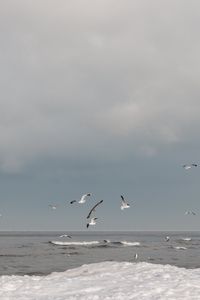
(33, 253)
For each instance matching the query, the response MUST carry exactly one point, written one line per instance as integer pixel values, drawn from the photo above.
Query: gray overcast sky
(99, 96)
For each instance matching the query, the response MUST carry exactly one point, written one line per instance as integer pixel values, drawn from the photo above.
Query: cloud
(95, 79)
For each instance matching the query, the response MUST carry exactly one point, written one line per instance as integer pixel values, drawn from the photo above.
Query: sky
(100, 97)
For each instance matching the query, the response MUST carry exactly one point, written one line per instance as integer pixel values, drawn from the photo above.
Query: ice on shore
(106, 280)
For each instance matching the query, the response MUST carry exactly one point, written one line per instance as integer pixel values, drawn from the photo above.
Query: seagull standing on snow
(92, 222)
(83, 198)
(124, 204)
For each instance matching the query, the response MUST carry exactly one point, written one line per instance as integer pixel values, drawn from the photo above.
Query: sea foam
(106, 280)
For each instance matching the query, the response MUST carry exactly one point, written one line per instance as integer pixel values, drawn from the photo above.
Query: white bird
(52, 206)
(136, 256)
(65, 235)
(92, 222)
(189, 212)
(187, 167)
(82, 200)
(124, 204)
(167, 238)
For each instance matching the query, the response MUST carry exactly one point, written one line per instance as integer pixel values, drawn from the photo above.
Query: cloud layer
(92, 79)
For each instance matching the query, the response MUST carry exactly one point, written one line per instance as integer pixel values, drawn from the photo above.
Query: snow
(105, 281)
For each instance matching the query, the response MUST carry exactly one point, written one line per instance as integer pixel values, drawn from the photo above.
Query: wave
(186, 239)
(125, 243)
(180, 248)
(84, 243)
(110, 280)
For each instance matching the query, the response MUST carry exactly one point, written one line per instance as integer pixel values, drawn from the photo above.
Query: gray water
(32, 253)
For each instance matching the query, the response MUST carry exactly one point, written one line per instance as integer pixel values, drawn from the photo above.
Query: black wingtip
(87, 225)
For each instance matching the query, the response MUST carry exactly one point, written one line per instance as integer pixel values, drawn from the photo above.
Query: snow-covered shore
(105, 281)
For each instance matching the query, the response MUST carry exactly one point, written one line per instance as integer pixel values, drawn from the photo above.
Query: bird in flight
(83, 199)
(52, 206)
(65, 235)
(93, 209)
(187, 167)
(167, 238)
(189, 212)
(92, 222)
(124, 204)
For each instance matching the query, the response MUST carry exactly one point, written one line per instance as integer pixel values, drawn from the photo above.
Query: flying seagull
(92, 222)
(167, 238)
(83, 198)
(65, 235)
(189, 212)
(52, 206)
(124, 204)
(93, 209)
(187, 167)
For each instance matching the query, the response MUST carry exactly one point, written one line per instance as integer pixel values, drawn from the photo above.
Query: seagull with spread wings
(82, 200)
(124, 204)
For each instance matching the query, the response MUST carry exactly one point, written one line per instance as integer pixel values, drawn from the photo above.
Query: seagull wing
(94, 208)
(123, 201)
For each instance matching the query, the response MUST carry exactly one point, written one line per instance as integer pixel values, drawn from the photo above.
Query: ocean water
(99, 266)
(41, 253)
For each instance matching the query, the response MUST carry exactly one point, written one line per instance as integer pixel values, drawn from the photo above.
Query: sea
(99, 265)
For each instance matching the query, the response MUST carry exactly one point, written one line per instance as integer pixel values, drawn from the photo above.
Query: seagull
(53, 206)
(189, 212)
(124, 204)
(136, 256)
(93, 209)
(167, 238)
(92, 222)
(65, 235)
(187, 167)
(83, 199)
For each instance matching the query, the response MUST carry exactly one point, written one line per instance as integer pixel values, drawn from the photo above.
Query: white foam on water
(106, 280)
(186, 239)
(74, 243)
(125, 243)
(180, 248)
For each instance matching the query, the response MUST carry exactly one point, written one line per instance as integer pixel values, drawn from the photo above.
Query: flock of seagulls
(92, 219)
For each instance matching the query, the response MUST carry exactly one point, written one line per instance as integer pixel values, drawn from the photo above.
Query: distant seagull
(187, 167)
(92, 222)
(65, 235)
(52, 206)
(83, 198)
(136, 256)
(167, 238)
(93, 209)
(124, 204)
(189, 212)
